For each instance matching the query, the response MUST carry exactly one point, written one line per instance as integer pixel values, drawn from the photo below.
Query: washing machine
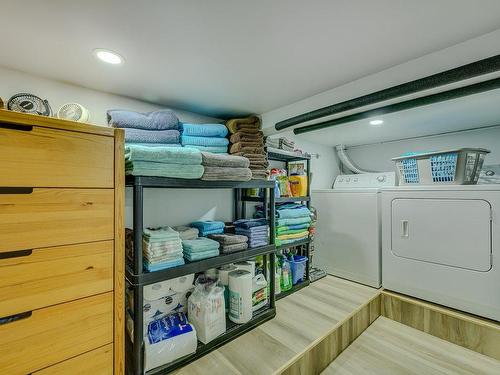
(347, 242)
(442, 244)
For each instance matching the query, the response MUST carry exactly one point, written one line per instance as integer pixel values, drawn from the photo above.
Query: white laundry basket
(449, 167)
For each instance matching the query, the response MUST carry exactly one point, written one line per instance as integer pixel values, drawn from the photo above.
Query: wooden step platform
(391, 348)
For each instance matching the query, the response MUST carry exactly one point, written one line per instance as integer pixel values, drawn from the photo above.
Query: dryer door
(451, 232)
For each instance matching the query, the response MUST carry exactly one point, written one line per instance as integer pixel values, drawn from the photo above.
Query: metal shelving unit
(304, 245)
(137, 278)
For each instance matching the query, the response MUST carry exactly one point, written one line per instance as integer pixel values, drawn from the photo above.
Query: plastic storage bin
(298, 265)
(451, 167)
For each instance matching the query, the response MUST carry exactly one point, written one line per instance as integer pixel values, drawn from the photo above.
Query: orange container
(298, 185)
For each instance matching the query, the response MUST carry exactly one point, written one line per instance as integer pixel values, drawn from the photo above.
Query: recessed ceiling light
(108, 56)
(376, 122)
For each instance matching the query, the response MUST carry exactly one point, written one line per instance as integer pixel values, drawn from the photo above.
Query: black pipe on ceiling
(408, 104)
(475, 69)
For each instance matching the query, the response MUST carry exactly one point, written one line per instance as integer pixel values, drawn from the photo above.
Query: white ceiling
(230, 57)
(468, 112)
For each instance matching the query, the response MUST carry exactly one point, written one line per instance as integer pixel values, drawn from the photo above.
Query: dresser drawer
(56, 333)
(95, 362)
(30, 280)
(53, 217)
(42, 157)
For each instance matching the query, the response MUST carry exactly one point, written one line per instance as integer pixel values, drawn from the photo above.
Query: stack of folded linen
(187, 233)
(141, 160)
(248, 141)
(257, 231)
(207, 227)
(282, 145)
(205, 137)
(200, 248)
(157, 128)
(292, 224)
(230, 243)
(161, 248)
(225, 167)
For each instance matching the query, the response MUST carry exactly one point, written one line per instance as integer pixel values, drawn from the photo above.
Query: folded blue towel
(249, 223)
(199, 245)
(187, 140)
(204, 130)
(169, 155)
(253, 231)
(163, 265)
(151, 136)
(202, 255)
(209, 227)
(289, 213)
(257, 243)
(164, 119)
(212, 149)
(177, 145)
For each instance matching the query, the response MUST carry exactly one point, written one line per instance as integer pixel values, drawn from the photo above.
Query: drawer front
(49, 276)
(56, 333)
(95, 362)
(53, 217)
(41, 157)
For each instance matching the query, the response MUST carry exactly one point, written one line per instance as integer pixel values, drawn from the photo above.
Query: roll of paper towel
(247, 265)
(240, 296)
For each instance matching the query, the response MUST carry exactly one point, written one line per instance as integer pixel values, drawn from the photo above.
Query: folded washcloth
(259, 165)
(285, 213)
(279, 242)
(245, 149)
(202, 255)
(253, 232)
(187, 140)
(163, 247)
(294, 221)
(150, 145)
(217, 160)
(228, 238)
(208, 227)
(170, 155)
(163, 265)
(211, 149)
(250, 223)
(151, 136)
(226, 174)
(164, 119)
(246, 137)
(250, 124)
(291, 228)
(204, 130)
(148, 168)
(273, 142)
(160, 233)
(257, 243)
(301, 234)
(187, 233)
(250, 156)
(199, 244)
(227, 249)
(259, 174)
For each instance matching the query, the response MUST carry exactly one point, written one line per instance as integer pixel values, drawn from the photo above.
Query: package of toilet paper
(168, 339)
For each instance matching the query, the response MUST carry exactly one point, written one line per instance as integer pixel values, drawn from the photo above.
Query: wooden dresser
(61, 247)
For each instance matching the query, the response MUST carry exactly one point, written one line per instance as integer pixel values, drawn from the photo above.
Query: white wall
(171, 207)
(378, 156)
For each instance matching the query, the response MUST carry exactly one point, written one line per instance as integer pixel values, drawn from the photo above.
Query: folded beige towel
(250, 124)
(246, 148)
(241, 136)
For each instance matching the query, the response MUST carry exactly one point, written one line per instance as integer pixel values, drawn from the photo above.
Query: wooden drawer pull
(16, 254)
(15, 318)
(16, 127)
(16, 190)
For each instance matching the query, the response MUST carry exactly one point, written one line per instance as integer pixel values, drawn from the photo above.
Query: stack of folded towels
(229, 242)
(187, 233)
(157, 128)
(161, 248)
(205, 137)
(200, 248)
(257, 231)
(163, 161)
(247, 140)
(206, 227)
(292, 223)
(225, 167)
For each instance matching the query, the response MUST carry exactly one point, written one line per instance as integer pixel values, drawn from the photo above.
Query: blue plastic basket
(298, 265)
(443, 167)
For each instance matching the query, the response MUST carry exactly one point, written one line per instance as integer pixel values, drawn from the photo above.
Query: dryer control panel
(365, 180)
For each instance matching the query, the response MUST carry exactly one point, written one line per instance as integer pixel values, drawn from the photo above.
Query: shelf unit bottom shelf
(233, 330)
(294, 289)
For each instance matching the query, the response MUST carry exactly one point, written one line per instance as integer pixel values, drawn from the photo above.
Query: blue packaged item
(170, 326)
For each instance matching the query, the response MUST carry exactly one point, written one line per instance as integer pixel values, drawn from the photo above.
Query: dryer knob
(381, 178)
